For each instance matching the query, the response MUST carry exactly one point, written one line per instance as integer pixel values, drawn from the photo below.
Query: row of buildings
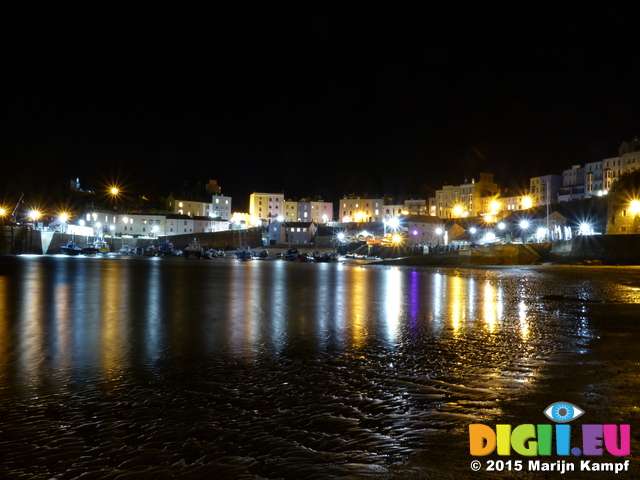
(211, 211)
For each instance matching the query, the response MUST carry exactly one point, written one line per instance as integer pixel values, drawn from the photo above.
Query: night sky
(372, 98)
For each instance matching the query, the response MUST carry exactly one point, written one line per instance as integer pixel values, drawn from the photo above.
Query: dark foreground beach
(603, 378)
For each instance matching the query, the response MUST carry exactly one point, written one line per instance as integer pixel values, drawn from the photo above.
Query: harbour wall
(15, 240)
(605, 249)
(608, 249)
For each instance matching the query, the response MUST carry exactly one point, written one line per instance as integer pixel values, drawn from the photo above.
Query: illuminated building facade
(358, 209)
(266, 207)
(464, 200)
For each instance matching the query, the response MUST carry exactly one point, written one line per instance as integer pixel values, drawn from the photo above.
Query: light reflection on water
(107, 314)
(347, 358)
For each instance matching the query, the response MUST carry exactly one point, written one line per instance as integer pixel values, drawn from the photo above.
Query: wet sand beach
(140, 368)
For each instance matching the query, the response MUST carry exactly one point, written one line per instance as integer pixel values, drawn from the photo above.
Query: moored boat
(89, 249)
(291, 254)
(324, 257)
(102, 247)
(244, 254)
(166, 249)
(71, 249)
(193, 250)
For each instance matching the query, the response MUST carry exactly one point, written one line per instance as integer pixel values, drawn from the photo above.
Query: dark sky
(369, 98)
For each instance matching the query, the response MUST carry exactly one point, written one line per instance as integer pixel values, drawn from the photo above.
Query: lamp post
(35, 214)
(63, 222)
(340, 238)
(524, 226)
(502, 226)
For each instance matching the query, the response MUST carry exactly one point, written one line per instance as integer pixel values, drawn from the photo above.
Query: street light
(439, 232)
(63, 222)
(35, 214)
(524, 225)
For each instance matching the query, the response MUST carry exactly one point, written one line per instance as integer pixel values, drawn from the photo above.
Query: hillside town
(555, 206)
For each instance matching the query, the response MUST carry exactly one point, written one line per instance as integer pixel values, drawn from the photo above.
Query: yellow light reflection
(113, 342)
(31, 330)
(524, 322)
(490, 306)
(456, 303)
(63, 316)
(357, 307)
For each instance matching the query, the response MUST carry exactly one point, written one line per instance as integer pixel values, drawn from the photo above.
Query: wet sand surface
(603, 379)
(323, 386)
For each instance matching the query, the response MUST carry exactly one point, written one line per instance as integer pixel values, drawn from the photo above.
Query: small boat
(263, 255)
(150, 251)
(125, 250)
(102, 247)
(324, 257)
(89, 249)
(166, 249)
(71, 249)
(244, 254)
(291, 254)
(193, 250)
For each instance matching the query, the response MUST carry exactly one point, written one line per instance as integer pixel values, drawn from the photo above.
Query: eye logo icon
(563, 412)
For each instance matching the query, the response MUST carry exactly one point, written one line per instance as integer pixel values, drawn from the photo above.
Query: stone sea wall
(608, 249)
(14, 240)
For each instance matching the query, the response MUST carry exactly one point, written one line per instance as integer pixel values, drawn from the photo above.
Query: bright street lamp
(585, 229)
(35, 214)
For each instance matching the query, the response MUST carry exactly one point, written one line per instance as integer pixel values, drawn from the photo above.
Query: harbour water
(173, 368)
